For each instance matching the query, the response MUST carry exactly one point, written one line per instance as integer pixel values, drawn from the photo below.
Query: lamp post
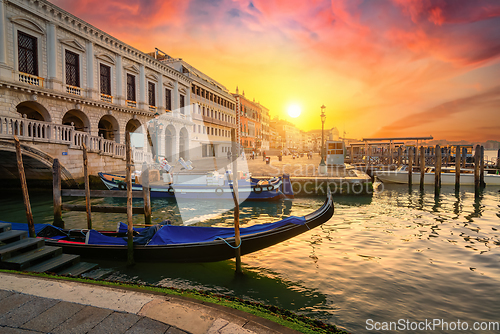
(322, 165)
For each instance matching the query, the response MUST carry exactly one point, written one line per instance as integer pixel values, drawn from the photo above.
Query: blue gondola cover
(170, 234)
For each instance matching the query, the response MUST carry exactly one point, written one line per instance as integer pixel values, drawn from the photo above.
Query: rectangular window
(151, 94)
(27, 53)
(72, 69)
(181, 101)
(130, 87)
(105, 73)
(168, 98)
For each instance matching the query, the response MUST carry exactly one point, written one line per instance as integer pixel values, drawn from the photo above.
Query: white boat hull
(401, 177)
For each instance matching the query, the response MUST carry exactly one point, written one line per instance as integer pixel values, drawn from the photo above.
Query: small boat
(205, 186)
(169, 243)
(400, 175)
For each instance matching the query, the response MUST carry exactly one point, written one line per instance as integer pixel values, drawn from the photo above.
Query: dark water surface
(397, 255)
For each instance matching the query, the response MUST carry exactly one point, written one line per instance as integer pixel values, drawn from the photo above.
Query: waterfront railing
(47, 132)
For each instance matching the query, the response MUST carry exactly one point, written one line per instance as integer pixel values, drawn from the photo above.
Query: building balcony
(106, 98)
(131, 104)
(31, 79)
(152, 108)
(73, 90)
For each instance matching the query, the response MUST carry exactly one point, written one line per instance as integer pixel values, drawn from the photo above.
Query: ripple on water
(397, 255)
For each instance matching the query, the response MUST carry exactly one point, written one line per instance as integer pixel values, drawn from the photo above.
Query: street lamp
(322, 165)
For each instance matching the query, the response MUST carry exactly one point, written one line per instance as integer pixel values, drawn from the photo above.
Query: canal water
(399, 254)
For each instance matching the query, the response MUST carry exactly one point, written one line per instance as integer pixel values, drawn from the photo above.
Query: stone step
(78, 269)
(11, 236)
(4, 227)
(55, 264)
(17, 247)
(33, 257)
(99, 273)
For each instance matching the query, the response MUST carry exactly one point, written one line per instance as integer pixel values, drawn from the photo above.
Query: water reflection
(401, 254)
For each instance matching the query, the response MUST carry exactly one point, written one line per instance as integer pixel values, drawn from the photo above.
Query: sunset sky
(381, 67)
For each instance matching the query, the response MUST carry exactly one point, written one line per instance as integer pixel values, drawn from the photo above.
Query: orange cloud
(375, 60)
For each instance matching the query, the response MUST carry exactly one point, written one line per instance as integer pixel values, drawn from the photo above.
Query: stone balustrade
(40, 131)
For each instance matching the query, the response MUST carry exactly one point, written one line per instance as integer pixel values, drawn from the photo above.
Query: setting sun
(294, 111)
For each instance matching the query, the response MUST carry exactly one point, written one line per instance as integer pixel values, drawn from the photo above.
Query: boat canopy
(172, 234)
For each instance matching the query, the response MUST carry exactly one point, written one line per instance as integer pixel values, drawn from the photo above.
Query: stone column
(5, 70)
(142, 88)
(52, 79)
(91, 89)
(119, 81)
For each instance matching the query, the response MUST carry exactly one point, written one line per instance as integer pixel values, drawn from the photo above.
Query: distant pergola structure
(366, 142)
(392, 139)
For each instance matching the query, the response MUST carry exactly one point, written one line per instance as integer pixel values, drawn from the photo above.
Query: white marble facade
(40, 43)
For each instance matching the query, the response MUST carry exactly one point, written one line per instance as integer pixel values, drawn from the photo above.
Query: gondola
(183, 243)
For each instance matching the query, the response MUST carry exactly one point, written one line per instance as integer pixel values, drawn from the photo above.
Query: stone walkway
(40, 305)
(299, 167)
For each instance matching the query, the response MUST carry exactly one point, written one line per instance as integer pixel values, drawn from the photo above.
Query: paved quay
(31, 305)
(298, 167)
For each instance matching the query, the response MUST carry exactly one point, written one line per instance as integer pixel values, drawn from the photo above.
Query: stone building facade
(213, 112)
(57, 69)
(250, 123)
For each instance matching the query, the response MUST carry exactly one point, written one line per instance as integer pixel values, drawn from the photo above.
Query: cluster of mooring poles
(58, 193)
(460, 160)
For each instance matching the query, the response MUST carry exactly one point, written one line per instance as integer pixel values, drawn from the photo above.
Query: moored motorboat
(168, 243)
(400, 176)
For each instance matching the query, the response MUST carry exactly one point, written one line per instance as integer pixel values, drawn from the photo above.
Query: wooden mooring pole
(24, 187)
(237, 239)
(437, 170)
(464, 156)
(457, 168)
(422, 167)
(477, 157)
(399, 156)
(146, 191)
(87, 187)
(481, 168)
(498, 158)
(410, 166)
(128, 180)
(56, 193)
